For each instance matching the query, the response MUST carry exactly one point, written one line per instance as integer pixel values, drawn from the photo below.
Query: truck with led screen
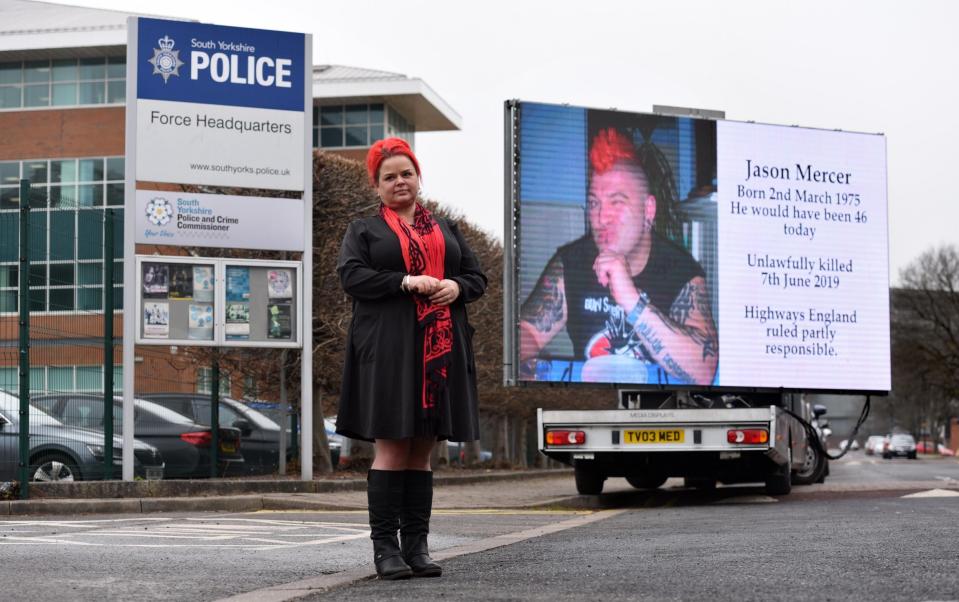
(658, 252)
(712, 270)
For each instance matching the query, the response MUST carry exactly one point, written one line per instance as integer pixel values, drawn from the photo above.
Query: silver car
(901, 445)
(64, 453)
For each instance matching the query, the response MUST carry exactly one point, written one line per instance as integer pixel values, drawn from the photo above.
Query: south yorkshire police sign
(221, 106)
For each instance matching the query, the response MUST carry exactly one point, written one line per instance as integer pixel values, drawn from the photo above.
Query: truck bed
(651, 445)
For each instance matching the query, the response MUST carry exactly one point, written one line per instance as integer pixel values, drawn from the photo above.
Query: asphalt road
(849, 549)
(733, 544)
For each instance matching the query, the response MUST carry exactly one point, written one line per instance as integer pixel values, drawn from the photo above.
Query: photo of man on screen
(629, 297)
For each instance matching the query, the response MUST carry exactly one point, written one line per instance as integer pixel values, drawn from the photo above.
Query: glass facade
(204, 382)
(62, 379)
(62, 82)
(357, 125)
(66, 238)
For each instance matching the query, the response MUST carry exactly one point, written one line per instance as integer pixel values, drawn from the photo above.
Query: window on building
(62, 379)
(357, 125)
(250, 388)
(398, 126)
(66, 232)
(204, 382)
(63, 82)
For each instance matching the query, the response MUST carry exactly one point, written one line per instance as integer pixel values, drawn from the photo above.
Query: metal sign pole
(306, 326)
(129, 251)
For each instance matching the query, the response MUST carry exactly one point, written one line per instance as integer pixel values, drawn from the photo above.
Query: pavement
(480, 489)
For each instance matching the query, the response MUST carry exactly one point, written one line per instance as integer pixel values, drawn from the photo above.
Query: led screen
(656, 251)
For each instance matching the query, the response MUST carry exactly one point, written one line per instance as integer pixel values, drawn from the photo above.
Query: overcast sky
(870, 66)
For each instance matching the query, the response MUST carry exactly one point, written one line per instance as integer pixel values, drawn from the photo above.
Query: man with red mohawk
(626, 295)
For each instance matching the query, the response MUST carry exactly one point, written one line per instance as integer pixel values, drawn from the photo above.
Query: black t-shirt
(591, 309)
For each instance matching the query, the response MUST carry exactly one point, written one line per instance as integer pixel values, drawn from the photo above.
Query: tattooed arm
(544, 312)
(685, 342)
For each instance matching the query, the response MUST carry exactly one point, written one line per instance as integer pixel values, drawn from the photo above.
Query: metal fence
(61, 281)
(56, 261)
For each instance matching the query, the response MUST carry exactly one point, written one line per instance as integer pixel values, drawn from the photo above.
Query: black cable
(813, 437)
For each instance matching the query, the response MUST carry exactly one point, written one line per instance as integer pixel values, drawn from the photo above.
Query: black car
(261, 434)
(64, 453)
(185, 445)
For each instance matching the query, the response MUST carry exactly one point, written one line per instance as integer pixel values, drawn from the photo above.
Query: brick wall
(54, 133)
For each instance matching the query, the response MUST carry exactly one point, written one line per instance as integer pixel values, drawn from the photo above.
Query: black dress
(382, 372)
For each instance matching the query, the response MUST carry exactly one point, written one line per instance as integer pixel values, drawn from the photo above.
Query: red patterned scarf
(424, 252)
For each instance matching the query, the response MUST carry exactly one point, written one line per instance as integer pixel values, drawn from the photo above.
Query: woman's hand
(422, 285)
(446, 292)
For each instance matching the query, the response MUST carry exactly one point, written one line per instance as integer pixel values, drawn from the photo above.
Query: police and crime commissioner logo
(166, 61)
(159, 211)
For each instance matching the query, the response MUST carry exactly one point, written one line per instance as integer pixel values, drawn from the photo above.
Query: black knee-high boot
(384, 490)
(415, 523)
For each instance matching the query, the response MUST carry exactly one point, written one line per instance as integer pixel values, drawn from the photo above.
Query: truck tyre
(814, 465)
(701, 483)
(646, 481)
(779, 482)
(588, 482)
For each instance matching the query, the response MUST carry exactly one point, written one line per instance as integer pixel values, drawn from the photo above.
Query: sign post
(222, 107)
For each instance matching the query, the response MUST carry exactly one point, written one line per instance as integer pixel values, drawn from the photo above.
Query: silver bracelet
(405, 286)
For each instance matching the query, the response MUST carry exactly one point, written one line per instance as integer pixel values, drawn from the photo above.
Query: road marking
(746, 499)
(10, 540)
(313, 585)
(226, 532)
(933, 493)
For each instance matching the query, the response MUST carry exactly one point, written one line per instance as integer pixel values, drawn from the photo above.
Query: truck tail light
(747, 436)
(565, 437)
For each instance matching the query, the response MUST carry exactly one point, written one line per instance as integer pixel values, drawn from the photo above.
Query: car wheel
(588, 481)
(53, 468)
(646, 481)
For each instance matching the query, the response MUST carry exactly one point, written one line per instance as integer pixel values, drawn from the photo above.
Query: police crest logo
(159, 211)
(166, 61)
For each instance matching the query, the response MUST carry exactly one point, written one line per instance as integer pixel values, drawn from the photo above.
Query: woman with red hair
(409, 377)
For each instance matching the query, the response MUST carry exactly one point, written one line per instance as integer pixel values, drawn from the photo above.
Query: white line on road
(933, 493)
(307, 587)
(241, 533)
(42, 540)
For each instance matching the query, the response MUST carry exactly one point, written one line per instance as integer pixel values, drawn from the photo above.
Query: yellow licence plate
(228, 447)
(654, 436)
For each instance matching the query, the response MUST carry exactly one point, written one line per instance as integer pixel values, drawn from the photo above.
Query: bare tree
(925, 328)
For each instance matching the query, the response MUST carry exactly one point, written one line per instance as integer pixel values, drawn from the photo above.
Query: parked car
(457, 453)
(900, 444)
(261, 434)
(924, 447)
(845, 443)
(185, 445)
(874, 445)
(334, 440)
(59, 452)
